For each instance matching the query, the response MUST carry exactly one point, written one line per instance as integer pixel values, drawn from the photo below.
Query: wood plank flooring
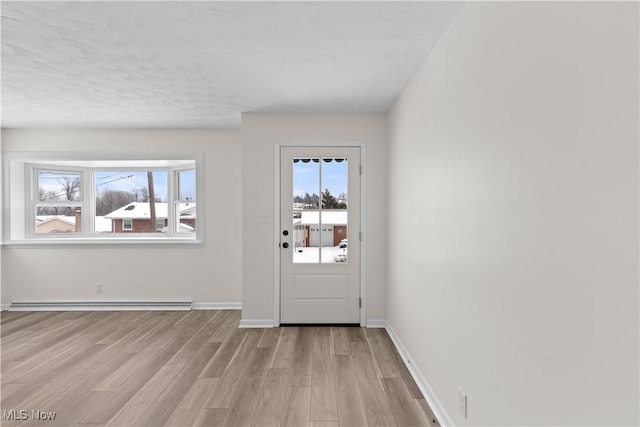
(197, 368)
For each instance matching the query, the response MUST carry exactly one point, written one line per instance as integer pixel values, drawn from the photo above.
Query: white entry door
(319, 235)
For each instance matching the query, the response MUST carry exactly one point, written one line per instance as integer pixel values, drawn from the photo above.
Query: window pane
(136, 196)
(53, 219)
(185, 206)
(306, 201)
(58, 186)
(124, 201)
(187, 185)
(185, 217)
(333, 221)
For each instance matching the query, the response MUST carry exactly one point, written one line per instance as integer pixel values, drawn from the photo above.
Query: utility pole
(152, 200)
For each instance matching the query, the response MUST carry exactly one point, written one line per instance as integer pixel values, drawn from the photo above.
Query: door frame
(277, 146)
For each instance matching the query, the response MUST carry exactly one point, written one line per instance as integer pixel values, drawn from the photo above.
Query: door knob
(285, 245)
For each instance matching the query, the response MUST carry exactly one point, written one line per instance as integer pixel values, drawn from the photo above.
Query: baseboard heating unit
(98, 305)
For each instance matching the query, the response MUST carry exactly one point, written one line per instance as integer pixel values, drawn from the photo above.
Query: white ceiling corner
(201, 64)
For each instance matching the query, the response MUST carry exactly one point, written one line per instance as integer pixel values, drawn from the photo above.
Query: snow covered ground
(310, 255)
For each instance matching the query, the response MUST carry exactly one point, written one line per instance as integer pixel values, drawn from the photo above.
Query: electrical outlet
(98, 288)
(462, 402)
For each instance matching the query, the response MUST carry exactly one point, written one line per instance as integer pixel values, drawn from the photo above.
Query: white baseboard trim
(376, 323)
(99, 305)
(256, 323)
(118, 305)
(216, 306)
(421, 382)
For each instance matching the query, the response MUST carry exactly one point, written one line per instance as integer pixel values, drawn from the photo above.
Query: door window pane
(334, 184)
(320, 210)
(306, 202)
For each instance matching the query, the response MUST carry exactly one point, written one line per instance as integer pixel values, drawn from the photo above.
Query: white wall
(207, 273)
(514, 214)
(1, 217)
(259, 133)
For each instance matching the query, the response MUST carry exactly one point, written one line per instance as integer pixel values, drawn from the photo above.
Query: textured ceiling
(200, 64)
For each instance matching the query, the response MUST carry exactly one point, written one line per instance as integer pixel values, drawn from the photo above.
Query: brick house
(136, 218)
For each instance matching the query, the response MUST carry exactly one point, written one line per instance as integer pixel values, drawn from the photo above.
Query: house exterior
(136, 218)
(310, 231)
(52, 224)
(55, 224)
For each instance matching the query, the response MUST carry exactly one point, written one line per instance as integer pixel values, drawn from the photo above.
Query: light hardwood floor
(197, 368)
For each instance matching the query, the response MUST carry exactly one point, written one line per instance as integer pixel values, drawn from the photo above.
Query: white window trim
(174, 220)
(130, 228)
(19, 201)
(31, 190)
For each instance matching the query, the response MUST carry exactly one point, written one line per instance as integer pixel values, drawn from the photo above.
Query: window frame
(129, 232)
(125, 221)
(21, 209)
(33, 188)
(174, 221)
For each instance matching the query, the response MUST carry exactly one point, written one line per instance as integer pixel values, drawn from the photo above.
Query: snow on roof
(337, 217)
(182, 227)
(102, 224)
(43, 219)
(187, 210)
(141, 210)
(136, 210)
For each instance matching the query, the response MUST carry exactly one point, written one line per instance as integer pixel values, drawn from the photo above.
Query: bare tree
(71, 186)
(110, 200)
(142, 194)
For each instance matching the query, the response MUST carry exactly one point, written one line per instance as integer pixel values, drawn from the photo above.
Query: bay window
(103, 199)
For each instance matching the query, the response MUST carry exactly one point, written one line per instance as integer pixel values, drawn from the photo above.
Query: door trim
(277, 146)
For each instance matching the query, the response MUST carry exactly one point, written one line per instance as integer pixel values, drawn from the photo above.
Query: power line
(54, 196)
(114, 180)
(112, 175)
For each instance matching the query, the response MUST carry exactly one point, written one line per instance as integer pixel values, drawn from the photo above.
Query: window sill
(93, 242)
